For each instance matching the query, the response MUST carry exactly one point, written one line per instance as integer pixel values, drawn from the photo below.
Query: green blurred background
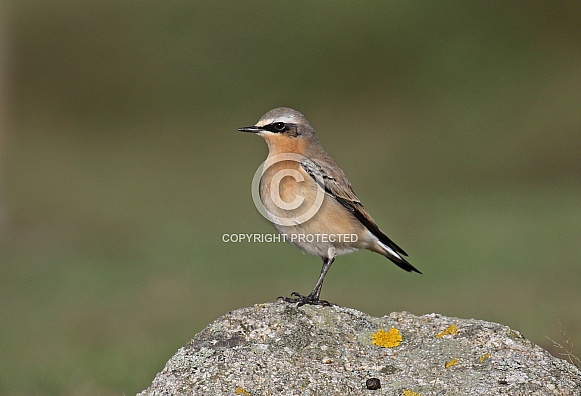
(458, 123)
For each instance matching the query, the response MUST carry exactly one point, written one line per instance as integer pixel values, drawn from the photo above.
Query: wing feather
(342, 191)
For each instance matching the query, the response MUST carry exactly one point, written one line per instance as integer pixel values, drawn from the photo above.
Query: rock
(279, 349)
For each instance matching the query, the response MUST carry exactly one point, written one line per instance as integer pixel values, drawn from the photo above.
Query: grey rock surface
(280, 349)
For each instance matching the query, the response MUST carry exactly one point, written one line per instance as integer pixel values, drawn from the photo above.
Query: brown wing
(342, 191)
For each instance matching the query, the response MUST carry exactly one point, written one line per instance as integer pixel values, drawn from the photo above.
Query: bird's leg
(313, 298)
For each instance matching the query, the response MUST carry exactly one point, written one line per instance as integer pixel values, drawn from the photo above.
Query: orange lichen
(451, 330)
(451, 363)
(387, 339)
(484, 357)
(241, 391)
(409, 393)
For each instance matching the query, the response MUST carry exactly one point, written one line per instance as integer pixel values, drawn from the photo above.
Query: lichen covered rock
(280, 349)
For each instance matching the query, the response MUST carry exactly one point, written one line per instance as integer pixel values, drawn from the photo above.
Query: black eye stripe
(278, 127)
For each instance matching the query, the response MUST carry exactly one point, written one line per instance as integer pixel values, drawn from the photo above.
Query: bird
(310, 201)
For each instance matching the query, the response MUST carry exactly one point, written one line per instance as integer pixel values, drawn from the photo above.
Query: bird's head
(285, 130)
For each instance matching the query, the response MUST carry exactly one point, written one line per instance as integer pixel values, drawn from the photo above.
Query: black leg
(313, 298)
(317, 289)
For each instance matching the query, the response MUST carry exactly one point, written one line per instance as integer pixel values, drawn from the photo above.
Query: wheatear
(310, 201)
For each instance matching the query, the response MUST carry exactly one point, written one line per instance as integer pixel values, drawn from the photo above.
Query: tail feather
(397, 259)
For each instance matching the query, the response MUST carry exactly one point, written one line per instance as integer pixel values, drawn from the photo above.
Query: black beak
(251, 129)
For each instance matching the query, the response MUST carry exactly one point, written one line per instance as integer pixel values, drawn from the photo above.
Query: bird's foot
(301, 300)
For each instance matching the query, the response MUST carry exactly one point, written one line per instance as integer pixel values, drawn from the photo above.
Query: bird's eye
(279, 126)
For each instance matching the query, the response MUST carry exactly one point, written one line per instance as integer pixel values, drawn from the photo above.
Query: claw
(301, 300)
